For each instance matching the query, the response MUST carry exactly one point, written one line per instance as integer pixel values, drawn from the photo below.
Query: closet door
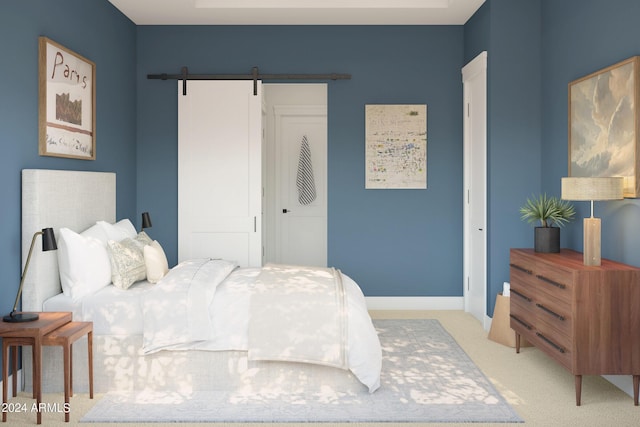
(219, 171)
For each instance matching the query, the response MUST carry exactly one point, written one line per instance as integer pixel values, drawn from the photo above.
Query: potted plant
(552, 213)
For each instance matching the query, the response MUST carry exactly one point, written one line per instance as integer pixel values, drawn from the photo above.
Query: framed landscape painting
(603, 124)
(67, 102)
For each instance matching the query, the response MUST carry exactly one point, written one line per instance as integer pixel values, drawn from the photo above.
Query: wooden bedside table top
(47, 322)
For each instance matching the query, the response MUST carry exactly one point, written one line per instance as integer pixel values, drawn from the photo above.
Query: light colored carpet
(426, 377)
(539, 390)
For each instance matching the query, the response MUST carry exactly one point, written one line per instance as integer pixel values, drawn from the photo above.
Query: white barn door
(219, 171)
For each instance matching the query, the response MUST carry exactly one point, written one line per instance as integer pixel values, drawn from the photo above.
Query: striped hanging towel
(304, 180)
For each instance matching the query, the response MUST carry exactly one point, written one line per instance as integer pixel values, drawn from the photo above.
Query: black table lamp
(146, 220)
(48, 244)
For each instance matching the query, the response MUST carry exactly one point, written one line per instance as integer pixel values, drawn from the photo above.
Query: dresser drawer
(555, 315)
(522, 305)
(555, 282)
(554, 344)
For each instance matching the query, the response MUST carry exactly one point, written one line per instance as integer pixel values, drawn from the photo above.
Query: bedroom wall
(392, 242)
(96, 30)
(510, 33)
(580, 37)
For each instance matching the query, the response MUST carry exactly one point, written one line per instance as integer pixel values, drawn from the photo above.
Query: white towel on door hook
(304, 181)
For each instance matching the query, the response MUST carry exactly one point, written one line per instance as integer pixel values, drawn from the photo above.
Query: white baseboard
(623, 382)
(415, 303)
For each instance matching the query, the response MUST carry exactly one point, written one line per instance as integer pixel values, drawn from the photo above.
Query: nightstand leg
(90, 347)
(578, 389)
(5, 374)
(636, 388)
(66, 352)
(14, 370)
(37, 379)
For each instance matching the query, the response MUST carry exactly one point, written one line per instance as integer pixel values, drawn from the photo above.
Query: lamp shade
(48, 240)
(592, 188)
(146, 220)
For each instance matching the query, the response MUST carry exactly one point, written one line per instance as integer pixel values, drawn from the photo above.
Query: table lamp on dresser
(592, 189)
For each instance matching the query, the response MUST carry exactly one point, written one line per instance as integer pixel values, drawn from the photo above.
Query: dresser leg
(578, 389)
(517, 342)
(636, 387)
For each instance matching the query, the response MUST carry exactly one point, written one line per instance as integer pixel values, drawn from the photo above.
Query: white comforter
(205, 305)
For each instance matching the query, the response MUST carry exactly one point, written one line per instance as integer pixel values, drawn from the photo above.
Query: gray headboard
(59, 198)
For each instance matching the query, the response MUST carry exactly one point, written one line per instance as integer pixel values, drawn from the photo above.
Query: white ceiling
(298, 12)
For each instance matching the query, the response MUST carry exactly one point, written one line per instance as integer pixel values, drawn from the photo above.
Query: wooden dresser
(585, 317)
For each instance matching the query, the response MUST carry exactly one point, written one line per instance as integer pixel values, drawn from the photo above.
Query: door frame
(476, 66)
(305, 106)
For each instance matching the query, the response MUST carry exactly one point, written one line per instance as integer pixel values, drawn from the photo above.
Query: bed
(222, 328)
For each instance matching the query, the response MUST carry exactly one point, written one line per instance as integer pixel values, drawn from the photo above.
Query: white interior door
(301, 237)
(475, 194)
(219, 171)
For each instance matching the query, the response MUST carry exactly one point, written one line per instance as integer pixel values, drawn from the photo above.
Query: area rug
(426, 377)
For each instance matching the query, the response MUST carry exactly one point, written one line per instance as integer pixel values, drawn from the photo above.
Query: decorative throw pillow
(155, 261)
(127, 262)
(83, 263)
(143, 239)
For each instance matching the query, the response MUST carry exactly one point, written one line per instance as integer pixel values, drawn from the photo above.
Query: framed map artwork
(396, 146)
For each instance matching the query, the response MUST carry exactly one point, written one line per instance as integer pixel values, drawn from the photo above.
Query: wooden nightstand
(65, 336)
(28, 333)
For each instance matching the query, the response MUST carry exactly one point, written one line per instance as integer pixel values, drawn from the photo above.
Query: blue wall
(580, 37)
(510, 32)
(96, 30)
(392, 242)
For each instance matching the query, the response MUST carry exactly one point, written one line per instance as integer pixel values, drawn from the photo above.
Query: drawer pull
(551, 282)
(551, 312)
(520, 321)
(551, 343)
(521, 295)
(517, 267)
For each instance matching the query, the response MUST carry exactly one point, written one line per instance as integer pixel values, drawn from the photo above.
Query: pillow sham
(155, 261)
(127, 262)
(83, 263)
(120, 230)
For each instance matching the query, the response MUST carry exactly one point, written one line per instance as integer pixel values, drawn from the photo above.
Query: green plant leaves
(549, 211)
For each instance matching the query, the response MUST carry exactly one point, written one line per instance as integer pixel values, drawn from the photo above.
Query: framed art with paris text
(67, 102)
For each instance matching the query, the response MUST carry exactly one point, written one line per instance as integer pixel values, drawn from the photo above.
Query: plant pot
(547, 239)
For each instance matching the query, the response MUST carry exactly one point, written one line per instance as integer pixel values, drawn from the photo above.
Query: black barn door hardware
(255, 76)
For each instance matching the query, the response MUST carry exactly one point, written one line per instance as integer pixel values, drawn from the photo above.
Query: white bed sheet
(119, 312)
(114, 311)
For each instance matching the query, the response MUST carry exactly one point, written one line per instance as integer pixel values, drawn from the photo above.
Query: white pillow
(83, 263)
(155, 261)
(97, 232)
(127, 262)
(120, 230)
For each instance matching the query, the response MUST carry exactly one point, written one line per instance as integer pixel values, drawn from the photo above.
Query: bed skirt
(118, 364)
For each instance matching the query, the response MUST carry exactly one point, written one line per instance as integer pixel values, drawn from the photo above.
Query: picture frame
(67, 102)
(604, 124)
(395, 146)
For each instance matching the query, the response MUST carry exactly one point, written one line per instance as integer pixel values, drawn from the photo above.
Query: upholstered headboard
(59, 198)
